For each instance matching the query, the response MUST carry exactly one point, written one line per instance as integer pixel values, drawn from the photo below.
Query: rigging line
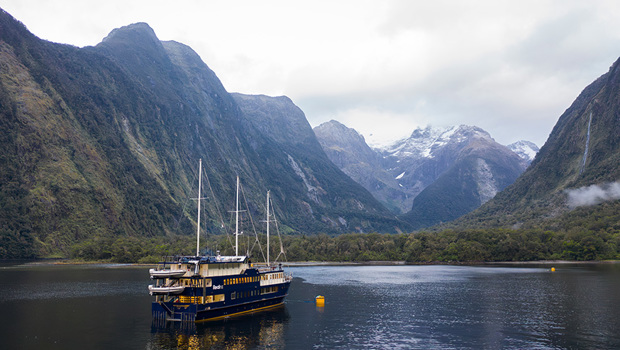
(230, 224)
(217, 208)
(252, 222)
(282, 252)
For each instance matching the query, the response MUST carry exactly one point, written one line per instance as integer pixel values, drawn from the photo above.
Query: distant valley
(433, 176)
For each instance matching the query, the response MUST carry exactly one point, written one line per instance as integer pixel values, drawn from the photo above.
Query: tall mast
(237, 221)
(198, 226)
(268, 228)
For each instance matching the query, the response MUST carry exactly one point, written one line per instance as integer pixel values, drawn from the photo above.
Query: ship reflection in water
(260, 330)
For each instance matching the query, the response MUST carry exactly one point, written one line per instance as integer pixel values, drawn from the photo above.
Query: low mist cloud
(594, 194)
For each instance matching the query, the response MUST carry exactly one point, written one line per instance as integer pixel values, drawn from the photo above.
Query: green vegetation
(422, 247)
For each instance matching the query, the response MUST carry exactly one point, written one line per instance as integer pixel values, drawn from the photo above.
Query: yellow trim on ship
(241, 313)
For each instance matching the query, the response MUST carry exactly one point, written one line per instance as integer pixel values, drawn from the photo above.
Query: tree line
(449, 246)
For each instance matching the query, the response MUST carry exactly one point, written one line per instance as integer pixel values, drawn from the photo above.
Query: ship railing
(268, 268)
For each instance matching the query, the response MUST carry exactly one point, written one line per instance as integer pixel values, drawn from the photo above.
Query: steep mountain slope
(349, 151)
(105, 140)
(266, 141)
(583, 150)
(327, 190)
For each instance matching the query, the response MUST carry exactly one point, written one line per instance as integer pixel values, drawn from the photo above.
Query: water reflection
(407, 307)
(261, 330)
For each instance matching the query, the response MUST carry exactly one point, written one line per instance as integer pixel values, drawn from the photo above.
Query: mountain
(104, 141)
(435, 175)
(326, 194)
(572, 184)
(348, 150)
(525, 149)
(472, 168)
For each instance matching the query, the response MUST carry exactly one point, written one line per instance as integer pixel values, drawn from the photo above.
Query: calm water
(367, 307)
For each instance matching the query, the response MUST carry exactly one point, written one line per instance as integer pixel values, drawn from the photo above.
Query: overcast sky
(381, 67)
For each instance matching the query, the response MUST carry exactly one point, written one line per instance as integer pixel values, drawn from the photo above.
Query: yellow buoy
(553, 269)
(320, 300)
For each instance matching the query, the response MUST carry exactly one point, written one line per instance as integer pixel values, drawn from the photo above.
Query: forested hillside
(104, 141)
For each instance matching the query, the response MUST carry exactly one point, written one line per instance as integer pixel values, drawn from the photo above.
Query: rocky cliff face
(105, 140)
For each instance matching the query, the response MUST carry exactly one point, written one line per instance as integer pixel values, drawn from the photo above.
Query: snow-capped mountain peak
(423, 142)
(525, 149)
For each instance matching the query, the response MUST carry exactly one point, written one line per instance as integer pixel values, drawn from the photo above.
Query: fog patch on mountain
(593, 194)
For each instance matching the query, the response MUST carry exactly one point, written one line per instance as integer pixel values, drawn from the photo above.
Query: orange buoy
(320, 301)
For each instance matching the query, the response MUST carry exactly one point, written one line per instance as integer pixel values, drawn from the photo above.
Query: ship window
(233, 295)
(268, 290)
(218, 297)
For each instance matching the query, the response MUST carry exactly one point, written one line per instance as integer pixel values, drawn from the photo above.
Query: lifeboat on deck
(166, 273)
(155, 290)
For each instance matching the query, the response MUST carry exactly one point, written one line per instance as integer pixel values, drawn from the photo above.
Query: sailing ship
(212, 287)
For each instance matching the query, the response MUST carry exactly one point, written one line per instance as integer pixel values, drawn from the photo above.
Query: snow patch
(525, 149)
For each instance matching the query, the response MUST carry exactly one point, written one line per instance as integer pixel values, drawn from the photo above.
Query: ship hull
(184, 312)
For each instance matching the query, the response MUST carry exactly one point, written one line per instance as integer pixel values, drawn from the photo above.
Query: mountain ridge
(415, 172)
(103, 141)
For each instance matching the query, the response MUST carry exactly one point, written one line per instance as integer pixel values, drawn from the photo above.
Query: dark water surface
(367, 307)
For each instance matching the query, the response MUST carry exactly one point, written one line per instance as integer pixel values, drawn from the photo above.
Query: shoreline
(454, 263)
(334, 263)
